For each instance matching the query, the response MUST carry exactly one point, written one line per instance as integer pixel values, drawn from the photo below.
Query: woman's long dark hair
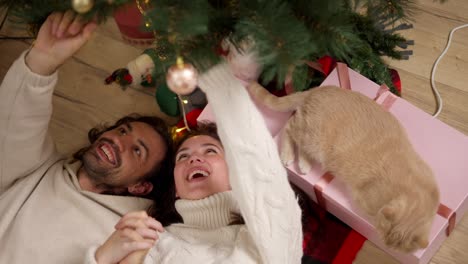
(202, 129)
(164, 197)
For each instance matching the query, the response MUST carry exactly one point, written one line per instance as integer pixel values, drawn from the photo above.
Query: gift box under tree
(441, 146)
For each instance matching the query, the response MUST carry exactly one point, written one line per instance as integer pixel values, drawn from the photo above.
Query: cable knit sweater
(45, 216)
(205, 236)
(260, 192)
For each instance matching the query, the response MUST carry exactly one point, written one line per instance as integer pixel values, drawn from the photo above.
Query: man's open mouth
(107, 153)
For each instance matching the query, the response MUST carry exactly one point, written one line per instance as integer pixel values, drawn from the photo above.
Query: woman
(216, 183)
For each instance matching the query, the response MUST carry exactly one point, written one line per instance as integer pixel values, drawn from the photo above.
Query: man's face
(120, 157)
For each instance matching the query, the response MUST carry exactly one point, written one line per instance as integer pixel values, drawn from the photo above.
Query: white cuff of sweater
(218, 77)
(35, 79)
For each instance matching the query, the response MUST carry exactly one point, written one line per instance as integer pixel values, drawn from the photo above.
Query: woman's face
(200, 168)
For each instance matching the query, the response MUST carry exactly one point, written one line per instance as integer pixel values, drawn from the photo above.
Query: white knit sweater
(205, 236)
(260, 191)
(45, 216)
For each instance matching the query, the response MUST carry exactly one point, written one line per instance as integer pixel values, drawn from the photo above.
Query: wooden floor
(81, 100)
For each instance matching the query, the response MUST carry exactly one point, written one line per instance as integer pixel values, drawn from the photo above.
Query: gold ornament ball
(82, 6)
(182, 78)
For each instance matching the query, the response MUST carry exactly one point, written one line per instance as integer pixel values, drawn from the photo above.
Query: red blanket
(326, 238)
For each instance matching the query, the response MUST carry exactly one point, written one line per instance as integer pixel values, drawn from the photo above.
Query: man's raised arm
(26, 96)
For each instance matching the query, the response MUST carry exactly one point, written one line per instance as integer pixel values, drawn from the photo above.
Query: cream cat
(364, 146)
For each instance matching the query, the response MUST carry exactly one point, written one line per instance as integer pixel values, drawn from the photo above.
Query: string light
(183, 114)
(180, 129)
(148, 22)
(180, 63)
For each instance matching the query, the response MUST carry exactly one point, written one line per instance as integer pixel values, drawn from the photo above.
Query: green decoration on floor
(167, 100)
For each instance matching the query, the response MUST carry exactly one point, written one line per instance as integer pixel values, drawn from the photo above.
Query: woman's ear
(141, 189)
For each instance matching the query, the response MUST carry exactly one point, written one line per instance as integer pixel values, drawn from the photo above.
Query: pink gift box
(441, 146)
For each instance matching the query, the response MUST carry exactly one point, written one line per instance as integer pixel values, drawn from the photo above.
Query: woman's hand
(61, 36)
(135, 232)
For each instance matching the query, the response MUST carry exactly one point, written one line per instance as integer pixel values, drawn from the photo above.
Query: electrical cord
(434, 68)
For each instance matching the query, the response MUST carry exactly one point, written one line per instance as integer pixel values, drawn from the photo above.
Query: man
(51, 209)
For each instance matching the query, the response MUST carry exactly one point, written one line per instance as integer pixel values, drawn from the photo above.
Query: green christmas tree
(285, 33)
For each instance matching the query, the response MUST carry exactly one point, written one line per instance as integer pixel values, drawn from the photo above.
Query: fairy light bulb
(182, 78)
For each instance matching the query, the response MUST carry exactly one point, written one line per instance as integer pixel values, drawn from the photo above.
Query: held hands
(61, 36)
(135, 231)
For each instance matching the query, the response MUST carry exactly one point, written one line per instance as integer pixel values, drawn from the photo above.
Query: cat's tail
(280, 104)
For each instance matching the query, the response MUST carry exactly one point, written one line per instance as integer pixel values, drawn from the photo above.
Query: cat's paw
(286, 158)
(304, 166)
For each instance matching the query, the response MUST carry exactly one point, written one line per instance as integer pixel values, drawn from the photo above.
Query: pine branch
(281, 40)
(284, 33)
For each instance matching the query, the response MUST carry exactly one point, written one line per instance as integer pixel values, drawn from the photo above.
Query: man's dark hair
(155, 122)
(161, 175)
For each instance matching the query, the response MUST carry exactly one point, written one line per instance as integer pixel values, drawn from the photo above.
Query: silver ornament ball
(82, 6)
(182, 78)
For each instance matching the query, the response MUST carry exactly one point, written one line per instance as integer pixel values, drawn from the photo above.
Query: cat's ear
(384, 224)
(388, 215)
(421, 242)
(389, 212)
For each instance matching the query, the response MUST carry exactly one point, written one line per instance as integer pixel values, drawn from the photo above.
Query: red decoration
(396, 80)
(130, 23)
(120, 76)
(327, 63)
(128, 78)
(149, 78)
(191, 118)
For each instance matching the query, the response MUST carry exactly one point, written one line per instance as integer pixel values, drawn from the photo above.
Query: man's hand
(61, 36)
(135, 232)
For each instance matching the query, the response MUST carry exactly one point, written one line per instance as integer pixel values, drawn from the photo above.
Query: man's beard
(97, 173)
